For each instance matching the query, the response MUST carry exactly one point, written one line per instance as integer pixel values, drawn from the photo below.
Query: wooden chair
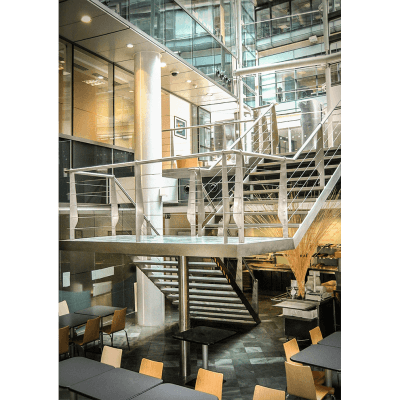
(63, 340)
(209, 382)
(92, 333)
(291, 348)
(300, 383)
(151, 368)
(117, 324)
(63, 308)
(263, 393)
(111, 356)
(316, 335)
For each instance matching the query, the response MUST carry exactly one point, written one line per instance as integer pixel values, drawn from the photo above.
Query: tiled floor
(253, 356)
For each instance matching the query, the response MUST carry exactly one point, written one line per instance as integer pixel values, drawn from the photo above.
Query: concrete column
(147, 138)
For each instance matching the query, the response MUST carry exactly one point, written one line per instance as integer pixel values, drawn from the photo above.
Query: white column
(148, 141)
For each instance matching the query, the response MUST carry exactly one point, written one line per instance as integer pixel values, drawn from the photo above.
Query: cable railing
(230, 208)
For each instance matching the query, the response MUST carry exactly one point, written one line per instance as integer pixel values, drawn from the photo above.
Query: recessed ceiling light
(163, 64)
(130, 45)
(131, 91)
(188, 81)
(209, 94)
(195, 86)
(86, 19)
(100, 77)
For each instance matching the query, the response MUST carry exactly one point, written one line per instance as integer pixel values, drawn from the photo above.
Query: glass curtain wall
(64, 87)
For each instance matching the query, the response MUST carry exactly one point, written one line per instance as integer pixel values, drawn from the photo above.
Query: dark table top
(319, 356)
(204, 335)
(333, 340)
(116, 384)
(168, 391)
(78, 369)
(99, 311)
(72, 320)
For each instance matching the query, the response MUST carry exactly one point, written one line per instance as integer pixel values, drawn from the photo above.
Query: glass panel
(64, 87)
(301, 7)
(280, 25)
(286, 85)
(93, 98)
(121, 7)
(204, 133)
(90, 190)
(306, 82)
(124, 109)
(120, 157)
(64, 153)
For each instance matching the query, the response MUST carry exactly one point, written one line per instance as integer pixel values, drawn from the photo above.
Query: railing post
(225, 198)
(254, 297)
(274, 131)
(282, 201)
(319, 157)
(200, 203)
(73, 206)
(139, 202)
(191, 211)
(238, 203)
(114, 206)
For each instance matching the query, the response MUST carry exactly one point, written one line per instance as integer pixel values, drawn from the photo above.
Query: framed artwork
(180, 123)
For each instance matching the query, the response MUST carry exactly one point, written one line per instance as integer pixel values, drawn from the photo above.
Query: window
(64, 87)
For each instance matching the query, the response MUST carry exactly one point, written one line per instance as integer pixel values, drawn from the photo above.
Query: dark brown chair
(91, 334)
(117, 324)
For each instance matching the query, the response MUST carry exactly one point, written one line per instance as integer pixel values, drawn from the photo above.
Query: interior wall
(181, 109)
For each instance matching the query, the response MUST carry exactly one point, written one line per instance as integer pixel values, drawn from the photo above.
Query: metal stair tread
(296, 189)
(191, 278)
(253, 225)
(228, 305)
(221, 310)
(203, 292)
(277, 171)
(267, 182)
(208, 298)
(155, 262)
(299, 160)
(198, 285)
(226, 320)
(194, 313)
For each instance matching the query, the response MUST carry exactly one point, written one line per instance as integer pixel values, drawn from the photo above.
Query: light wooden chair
(63, 308)
(291, 348)
(263, 393)
(300, 383)
(316, 335)
(117, 324)
(111, 356)
(151, 368)
(92, 333)
(209, 382)
(63, 340)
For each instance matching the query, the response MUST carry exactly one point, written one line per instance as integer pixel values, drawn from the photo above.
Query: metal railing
(261, 141)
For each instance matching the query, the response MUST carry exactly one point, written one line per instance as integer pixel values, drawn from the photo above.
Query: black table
(205, 336)
(72, 320)
(333, 340)
(115, 384)
(326, 357)
(78, 369)
(168, 391)
(99, 311)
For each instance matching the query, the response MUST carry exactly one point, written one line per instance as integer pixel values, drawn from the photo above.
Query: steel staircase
(213, 292)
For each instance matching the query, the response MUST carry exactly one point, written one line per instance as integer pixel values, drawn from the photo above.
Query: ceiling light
(86, 19)
(130, 45)
(209, 94)
(100, 77)
(131, 91)
(188, 81)
(163, 64)
(195, 86)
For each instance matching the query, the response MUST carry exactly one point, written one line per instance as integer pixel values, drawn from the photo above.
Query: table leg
(204, 348)
(101, 334)
(73, 396)
(328, 377)
(71, 346)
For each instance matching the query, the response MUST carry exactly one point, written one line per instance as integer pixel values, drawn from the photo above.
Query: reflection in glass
(124, 108)
(64, 87)
(93, 97)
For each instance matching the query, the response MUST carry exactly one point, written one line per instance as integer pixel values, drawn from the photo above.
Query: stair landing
(165, 246)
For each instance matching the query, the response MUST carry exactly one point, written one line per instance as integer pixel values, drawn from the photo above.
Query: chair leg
(127, 341)
(112, 340)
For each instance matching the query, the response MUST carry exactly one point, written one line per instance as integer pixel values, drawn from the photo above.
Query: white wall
(181, 109)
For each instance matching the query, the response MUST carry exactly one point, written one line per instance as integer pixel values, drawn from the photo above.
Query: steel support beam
(282, 201)
(73, 206)
(139, 202)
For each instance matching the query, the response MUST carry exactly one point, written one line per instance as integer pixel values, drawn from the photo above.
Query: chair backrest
(92, 330)
(151, 368)
(263, 393)
(118, 321)
(300, 382)
(111, 356)
(316, 335)
(291, 348)
(63, 337)
(209, 382)
(63, 308)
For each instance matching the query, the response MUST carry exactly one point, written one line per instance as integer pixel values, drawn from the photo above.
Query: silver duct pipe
(304, 62)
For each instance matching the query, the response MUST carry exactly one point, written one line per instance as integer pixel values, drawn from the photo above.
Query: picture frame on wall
(180, 123)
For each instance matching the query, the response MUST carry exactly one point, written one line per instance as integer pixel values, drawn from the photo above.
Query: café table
(326, 357)
(169, 391)
(78, 369)
(115, 384)
(73, 321)
(99, 311)
(333, 340)
(205, 336)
